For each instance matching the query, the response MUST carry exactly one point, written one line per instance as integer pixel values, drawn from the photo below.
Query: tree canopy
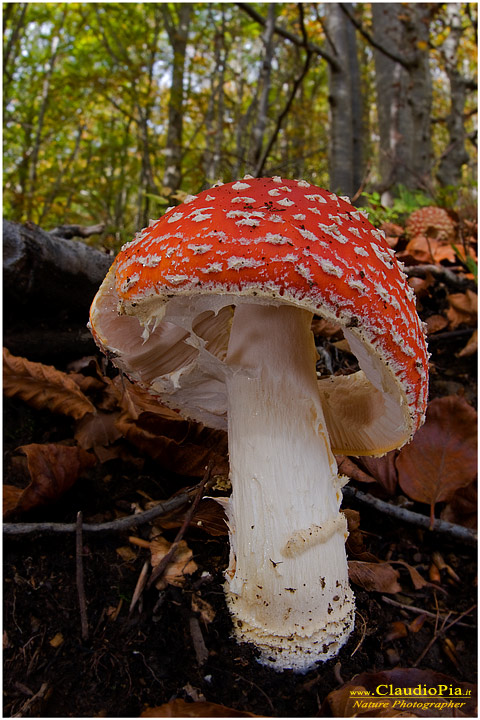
(113, 111)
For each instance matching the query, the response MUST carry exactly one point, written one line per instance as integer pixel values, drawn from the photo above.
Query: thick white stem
(287, 584)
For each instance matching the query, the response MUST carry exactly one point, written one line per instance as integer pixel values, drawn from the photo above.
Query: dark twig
(439, 273)
(440, 632)
(201, 650)
(456, 532)
(114, 526)
(80, 580)
(300, 42)
(141, 582)
(38, 696)
(297, 83)
(404, 61)
(419, 611)
(158, 571)
(71, 231)
(450, 335)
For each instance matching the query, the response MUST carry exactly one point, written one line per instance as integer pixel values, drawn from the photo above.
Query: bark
(216, 105)
(404, 94)
(46, 276)
(264, 82)
(455, 155)
(417, 27)
(44, 100)
(178, 36)
(345, 150)
(147, 183)
(15, 26)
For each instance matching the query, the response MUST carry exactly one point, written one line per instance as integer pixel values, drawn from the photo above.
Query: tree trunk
(49, 283)
(455, 155)
(216, 105)
(345, 157)
(44, 273)
(264, 82)
(44, 100)
(404, 95)
(178, 36)
(417, 31)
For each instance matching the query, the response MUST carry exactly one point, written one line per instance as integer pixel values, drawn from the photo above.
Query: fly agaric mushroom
(431, 222)
(210, 308)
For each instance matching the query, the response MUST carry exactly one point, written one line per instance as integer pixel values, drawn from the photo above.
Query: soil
(150, 657)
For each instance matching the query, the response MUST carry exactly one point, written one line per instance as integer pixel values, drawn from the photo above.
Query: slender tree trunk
(417, 31)
(404, 95)
(61, 174)
(14, 21)
(345, 148)
(44, 100)
(455, 155)
(178, 36)
(264, 83)
(216, 105)
(394, 116)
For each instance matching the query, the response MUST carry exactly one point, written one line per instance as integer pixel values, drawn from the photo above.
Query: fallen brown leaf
(436, 323)
(442, 456)
(430, 250)
(398, 630)
(471, 347)
(57, 640)
(417, 580)
(97, 430)
(181, 563)
(463, 507)
(417, 623)
(181, 708)
(463, 309)
(376, 577)
(382, 469)
(421, 286)
(325, 328)
(203, 608)
(134, 400)
(393, 233)
(43, 387)
(11, 497)
(209, 516)
(53, 470)
(186, 456)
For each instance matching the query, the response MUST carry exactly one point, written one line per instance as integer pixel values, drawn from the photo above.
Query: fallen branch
(114, 526)
(455, 532)
(441, 632)
(439, 273)
(450, 335)
(158, 571)
(71, 231)
(420, 611)
(47, 274)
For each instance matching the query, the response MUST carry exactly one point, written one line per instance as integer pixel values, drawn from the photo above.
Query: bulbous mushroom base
(297, 651)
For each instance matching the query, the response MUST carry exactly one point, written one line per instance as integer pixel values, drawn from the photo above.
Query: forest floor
(173, 654)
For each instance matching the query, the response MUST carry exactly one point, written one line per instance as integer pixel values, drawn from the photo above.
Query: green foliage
(404, 203)
(468, 262)
(86, 96)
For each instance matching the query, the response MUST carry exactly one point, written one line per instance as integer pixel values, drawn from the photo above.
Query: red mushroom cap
(273, 240)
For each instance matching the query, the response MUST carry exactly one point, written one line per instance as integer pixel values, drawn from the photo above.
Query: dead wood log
(49, 283)
(44, 273)
(71, 231)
